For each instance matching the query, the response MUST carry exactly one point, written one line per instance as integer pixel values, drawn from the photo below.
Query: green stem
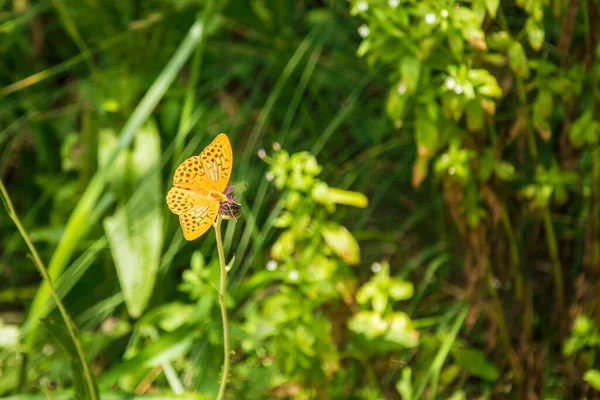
(63, 312)
(502, 329)
(556, 266)
(222, 289)
(514, 256)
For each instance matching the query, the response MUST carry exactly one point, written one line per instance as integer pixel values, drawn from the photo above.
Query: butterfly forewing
(192, 175)
(217, 161)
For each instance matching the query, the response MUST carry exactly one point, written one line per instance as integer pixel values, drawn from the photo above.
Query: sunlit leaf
(341, 241)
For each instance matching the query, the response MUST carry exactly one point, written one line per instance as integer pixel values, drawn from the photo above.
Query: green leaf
(134, 231)
(476, 363)
(341, 241)
(585, 130)
(59, 333)
(396, 103)
(592, 376)
(368, 323)
(475, 116)
(492, 7)
(328, 195)
(427, 134)
(401, 331)
(542, 110)
(517, 60)
(410, 70)
(400, 290)
(499, 40)
(535, 33)
(284, 246)
(504, 171)
(404, 385)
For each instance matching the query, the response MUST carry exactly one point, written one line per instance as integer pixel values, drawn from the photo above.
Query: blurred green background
(471, 127)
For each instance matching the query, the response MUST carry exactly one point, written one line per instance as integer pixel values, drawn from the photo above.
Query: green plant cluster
(501, 100)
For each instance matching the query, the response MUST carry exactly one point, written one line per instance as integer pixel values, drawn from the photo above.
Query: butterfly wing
(191, 175)
(199, 219)
(217, 162)
(196, 211)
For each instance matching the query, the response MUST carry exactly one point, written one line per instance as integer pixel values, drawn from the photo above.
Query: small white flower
(444, 13)
(262, 153)
(459, 89)
(293, 275)
(376, 267)
(401, 88)
(363, 31)
(269, 176)
(450, 83)
(362, 6)
(276, 146)
(271, 265)
(430, 18)
(393, 3)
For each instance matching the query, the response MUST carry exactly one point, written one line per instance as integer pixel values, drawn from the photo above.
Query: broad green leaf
(341, 241)
(134, 231)
(475, 363)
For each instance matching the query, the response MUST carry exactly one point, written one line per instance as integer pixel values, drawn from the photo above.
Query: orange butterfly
(200, 187)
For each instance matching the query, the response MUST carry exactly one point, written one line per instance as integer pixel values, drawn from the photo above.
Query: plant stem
(502, 328)
(222, 289)
(89, 379)
(556, 266)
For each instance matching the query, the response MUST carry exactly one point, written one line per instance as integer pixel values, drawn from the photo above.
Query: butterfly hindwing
(196, 221)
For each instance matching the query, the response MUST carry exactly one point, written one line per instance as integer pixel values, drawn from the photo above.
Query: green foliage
(472, 127)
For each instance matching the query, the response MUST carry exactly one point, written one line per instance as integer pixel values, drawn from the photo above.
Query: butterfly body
(198, 189)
